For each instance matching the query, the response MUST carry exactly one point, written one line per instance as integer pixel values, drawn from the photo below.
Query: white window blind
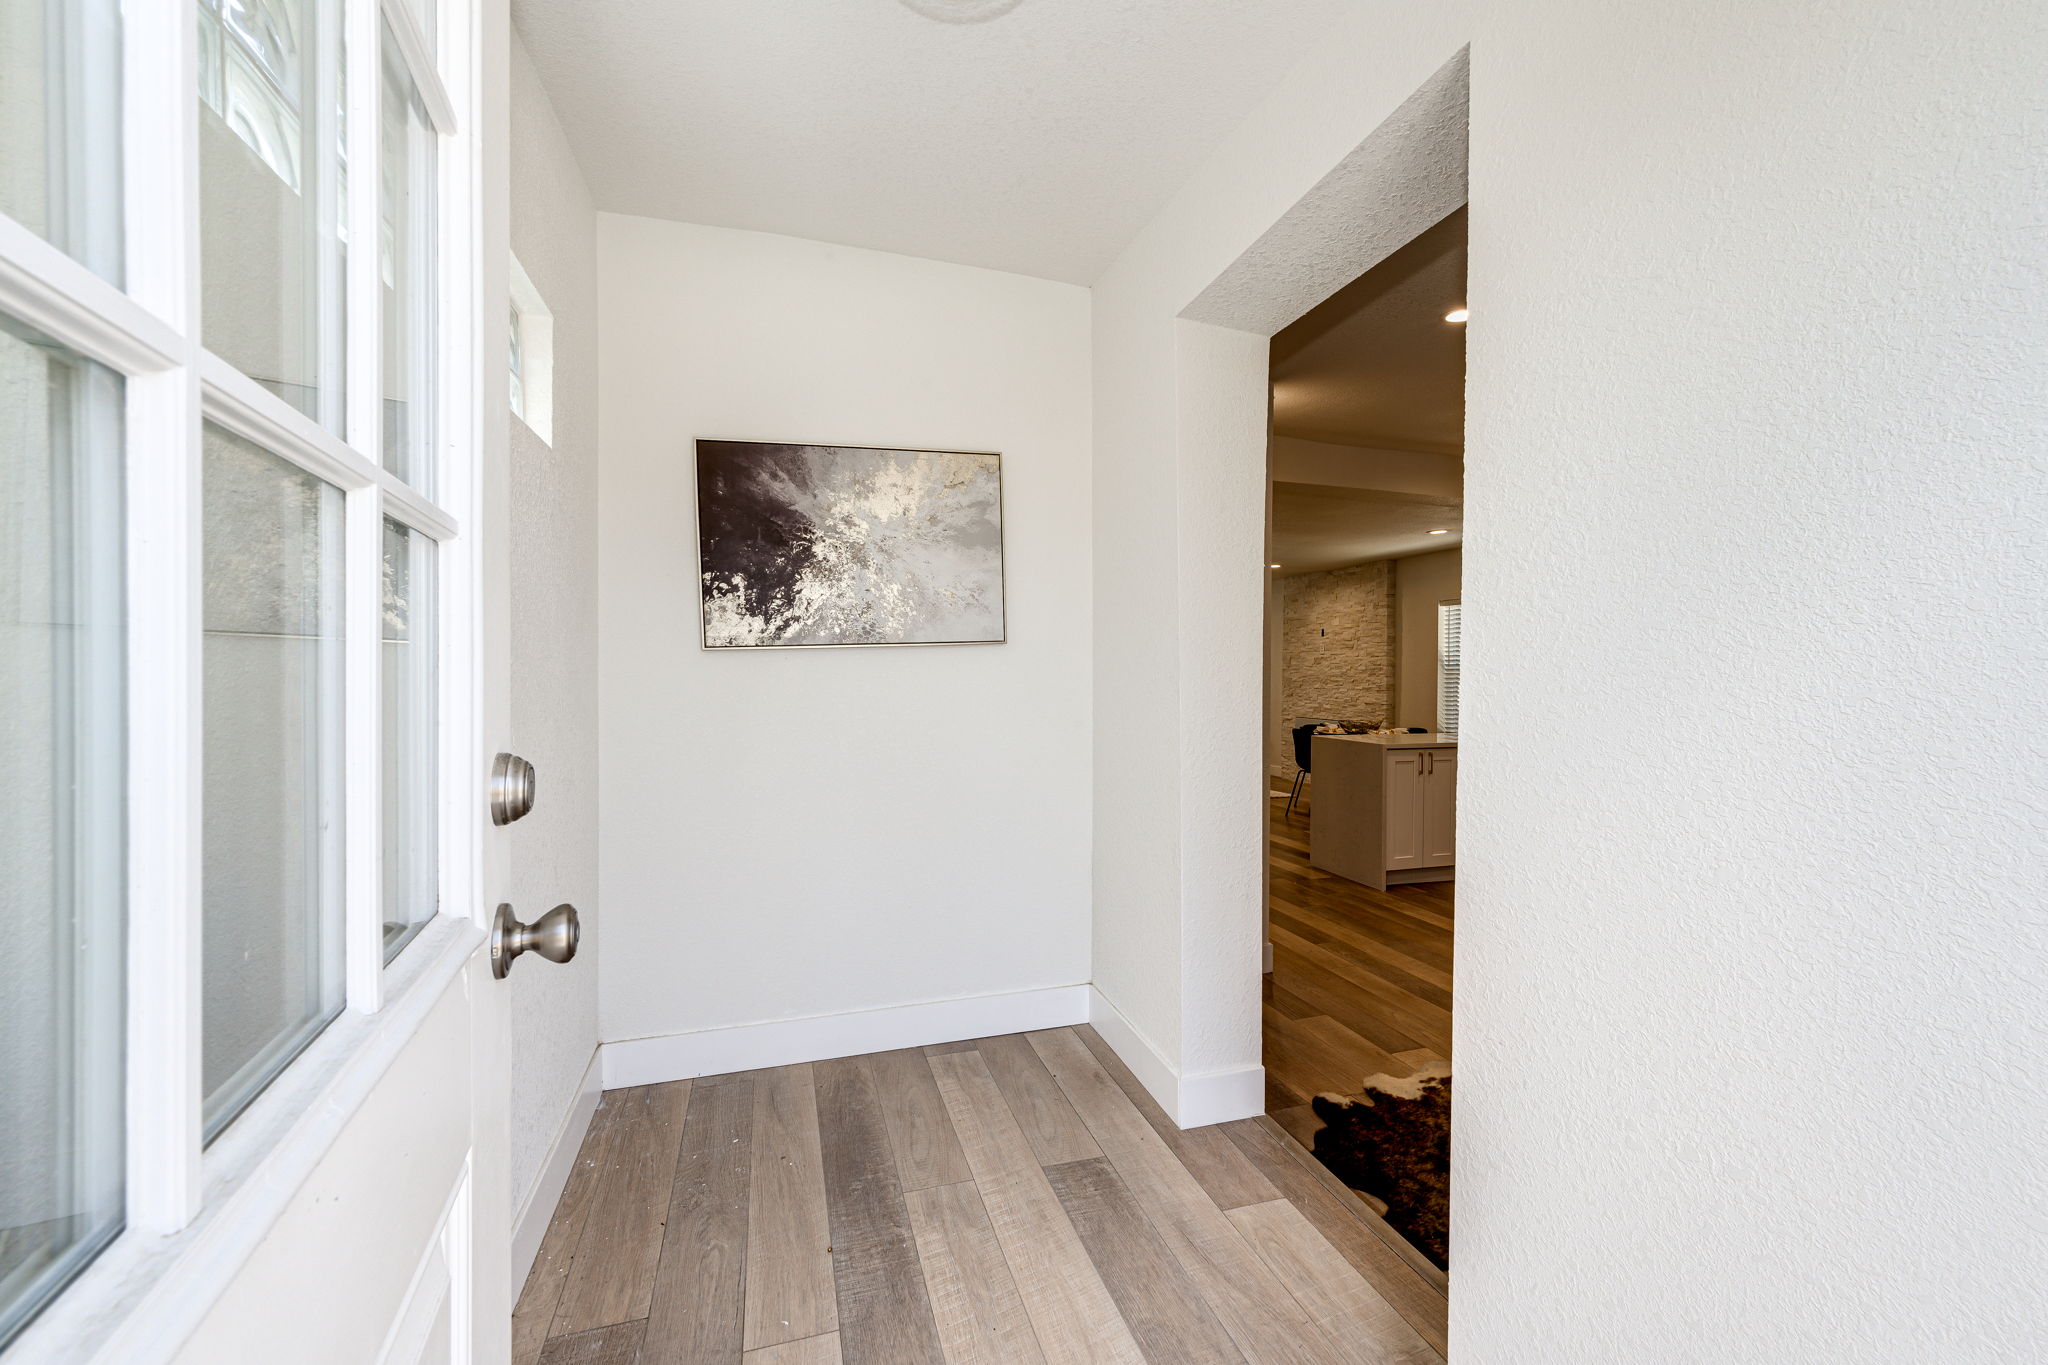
(1447, 668)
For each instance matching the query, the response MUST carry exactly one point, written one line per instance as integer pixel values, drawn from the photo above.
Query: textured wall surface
(1337, 647)
(1756, 429)
(1693, 515)
(554, 630)
(791, 833)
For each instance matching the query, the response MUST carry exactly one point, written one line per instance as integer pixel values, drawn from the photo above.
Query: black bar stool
(1303, 735)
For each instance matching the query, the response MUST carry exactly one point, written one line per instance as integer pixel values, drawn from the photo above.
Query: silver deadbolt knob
(511, 788)
(553, 936)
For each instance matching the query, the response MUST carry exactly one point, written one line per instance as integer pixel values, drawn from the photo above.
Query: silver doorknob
(553, 936)
(511, 788)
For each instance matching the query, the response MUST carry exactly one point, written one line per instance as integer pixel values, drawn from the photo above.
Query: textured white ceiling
(1317, 527)
(1038, 142)
(1376, 364)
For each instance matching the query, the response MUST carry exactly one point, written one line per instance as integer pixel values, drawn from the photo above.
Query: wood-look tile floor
(1361, 979)
(1012, 1199)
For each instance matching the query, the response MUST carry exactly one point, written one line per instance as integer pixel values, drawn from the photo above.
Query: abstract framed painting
(824, 545)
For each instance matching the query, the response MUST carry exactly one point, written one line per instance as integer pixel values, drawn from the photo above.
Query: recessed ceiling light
(1440, 533)
(1457, 315)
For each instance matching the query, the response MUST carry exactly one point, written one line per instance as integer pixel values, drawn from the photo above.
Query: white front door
(253, 1061)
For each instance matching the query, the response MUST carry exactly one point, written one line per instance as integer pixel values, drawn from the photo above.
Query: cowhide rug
(1393, 1142)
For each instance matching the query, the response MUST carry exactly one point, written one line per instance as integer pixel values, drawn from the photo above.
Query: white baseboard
(531, 1223)
(784, 1042)
(1191, 1101)
(1221, 1096)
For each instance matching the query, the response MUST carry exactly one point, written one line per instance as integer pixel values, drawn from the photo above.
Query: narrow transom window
(533, 356)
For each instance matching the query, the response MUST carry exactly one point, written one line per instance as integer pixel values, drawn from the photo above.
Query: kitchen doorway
(1364, 538)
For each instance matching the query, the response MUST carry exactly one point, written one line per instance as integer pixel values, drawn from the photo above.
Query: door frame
(1403, 177)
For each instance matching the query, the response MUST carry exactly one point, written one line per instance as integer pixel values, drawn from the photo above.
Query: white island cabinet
(1384, 809)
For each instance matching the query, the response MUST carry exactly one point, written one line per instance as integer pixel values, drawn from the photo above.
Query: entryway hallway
(1014, 1199)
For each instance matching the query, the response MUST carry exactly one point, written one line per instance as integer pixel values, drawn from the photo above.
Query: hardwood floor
(1361, 980)
(1015, 1199)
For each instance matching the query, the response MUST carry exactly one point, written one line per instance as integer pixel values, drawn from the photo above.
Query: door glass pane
(407, 270)
(411, 889)
(270, 190)
(60, 125)
(428, 14)
(273, 713)
(61, 817)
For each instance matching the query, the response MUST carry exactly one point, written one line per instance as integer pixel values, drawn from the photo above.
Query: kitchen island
(1384, 807)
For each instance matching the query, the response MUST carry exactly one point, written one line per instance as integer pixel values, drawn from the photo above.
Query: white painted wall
(1748, 1057)
(554, 638)
(793, 833)
(1421, 583)
(1757, 376)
